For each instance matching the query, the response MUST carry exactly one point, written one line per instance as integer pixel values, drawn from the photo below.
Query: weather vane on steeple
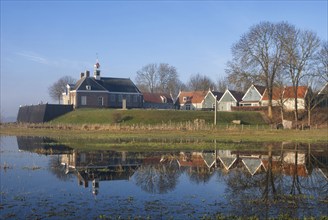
(96, 71)
(97, 65)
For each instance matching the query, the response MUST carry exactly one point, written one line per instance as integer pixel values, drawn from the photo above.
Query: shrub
(117, 117)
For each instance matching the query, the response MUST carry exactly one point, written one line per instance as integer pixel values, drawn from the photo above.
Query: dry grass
(167, 131)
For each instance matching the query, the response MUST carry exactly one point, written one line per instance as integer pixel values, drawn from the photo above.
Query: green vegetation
(151, 117)
(159, 130)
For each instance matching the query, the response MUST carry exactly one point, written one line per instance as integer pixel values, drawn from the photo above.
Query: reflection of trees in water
(201, 174)
(274, 190)
(316, 183)
(57, 169)
(158, 178)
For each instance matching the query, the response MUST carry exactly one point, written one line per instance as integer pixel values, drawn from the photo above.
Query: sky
(41, 41)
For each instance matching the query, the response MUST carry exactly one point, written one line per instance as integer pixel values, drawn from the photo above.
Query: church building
(102, 92)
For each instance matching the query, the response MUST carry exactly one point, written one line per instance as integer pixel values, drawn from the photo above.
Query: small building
(277, 97)
(253, 96)
(210, 99)
(102, 92)
(157, 101)
(190, 100)
(286, 97)
(229, 98)
(323, 96)
(289, 97)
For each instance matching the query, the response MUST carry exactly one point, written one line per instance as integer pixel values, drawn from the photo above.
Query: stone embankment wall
(41, 113)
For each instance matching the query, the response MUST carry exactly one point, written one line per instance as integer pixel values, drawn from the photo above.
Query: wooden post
(215, 110)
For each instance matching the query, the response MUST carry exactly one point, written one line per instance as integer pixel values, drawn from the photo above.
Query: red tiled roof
(276, 94)
(194, 96)
(288, 93)
(156, 97)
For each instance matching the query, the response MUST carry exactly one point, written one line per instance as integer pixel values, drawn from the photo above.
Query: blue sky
(42, 41)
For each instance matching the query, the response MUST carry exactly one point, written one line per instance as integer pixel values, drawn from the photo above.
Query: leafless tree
(313, 97)
(200, 82)
(299, 53)
(158, 78)
(58, 87)
(238, 78)
(322, 61)
(257, 57)
(147, 77)
(168, 79)
(222, 84)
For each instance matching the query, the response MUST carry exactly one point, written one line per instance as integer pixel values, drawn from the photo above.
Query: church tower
(96, 70)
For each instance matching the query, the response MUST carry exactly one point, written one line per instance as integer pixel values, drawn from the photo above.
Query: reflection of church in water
(92, 167)
(98, 166)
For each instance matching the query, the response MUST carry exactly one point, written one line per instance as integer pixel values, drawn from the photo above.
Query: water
(41, 179)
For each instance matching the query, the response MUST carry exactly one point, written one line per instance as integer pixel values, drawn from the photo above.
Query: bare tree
(322, 61)
(147, 77)
(313, 97)
(168, 79)
(222, 84)
(158, 78)
(58, 87)
(300, 48)
(257, 57)
(200, 82)
(237, 77)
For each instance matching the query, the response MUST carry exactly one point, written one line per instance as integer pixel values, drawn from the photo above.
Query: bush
(117, 117)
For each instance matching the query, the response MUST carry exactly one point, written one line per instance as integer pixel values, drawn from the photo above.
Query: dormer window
(88, 87)
(185, 99)
(164, 100)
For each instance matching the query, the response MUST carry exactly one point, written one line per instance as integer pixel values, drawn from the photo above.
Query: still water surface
(42, 180)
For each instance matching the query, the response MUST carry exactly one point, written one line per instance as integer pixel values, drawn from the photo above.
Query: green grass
(151, 117)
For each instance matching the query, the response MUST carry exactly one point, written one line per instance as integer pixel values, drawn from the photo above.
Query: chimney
(87, 73)
(82, 75)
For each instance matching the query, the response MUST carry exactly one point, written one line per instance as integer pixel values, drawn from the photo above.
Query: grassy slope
(129, 117)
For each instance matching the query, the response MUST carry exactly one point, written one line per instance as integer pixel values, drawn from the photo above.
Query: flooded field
(43, 180)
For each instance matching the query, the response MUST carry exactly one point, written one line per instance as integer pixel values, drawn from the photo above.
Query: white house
(253, 96)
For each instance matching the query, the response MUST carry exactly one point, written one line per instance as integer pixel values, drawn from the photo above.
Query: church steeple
(96, 70)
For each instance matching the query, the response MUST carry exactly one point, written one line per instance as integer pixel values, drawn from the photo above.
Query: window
(88, 87)
(164, 100)
(135, 98)
(187, 107)
(128, 98)
(100, 101)
(120, 98)
(83, 100)
(112, 98)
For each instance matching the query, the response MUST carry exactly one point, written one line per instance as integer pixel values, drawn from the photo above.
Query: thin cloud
(29, 55)
(73, 64)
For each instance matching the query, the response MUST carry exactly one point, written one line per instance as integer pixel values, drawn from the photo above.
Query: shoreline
(96, 132)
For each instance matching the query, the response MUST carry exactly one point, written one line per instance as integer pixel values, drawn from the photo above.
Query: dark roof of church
(118, 84)
(110, 84)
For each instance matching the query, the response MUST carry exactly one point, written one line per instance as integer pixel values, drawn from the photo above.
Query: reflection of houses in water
(227, 159)
(205, 159)
(98, 166)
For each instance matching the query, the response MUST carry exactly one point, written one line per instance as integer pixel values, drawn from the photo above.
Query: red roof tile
(276, 94)
(288, 93)
(194, 96)
(156, 97)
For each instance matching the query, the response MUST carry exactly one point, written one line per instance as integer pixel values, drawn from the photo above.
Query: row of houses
(110, 92)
